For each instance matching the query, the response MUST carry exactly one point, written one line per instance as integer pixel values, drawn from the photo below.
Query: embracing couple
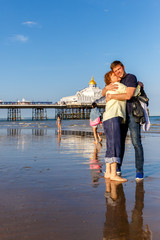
(118, 118)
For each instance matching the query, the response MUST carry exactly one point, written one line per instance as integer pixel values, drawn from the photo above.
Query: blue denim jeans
(135, 133)
(112, 131)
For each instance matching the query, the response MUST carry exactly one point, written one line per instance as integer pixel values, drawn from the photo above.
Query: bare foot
(100, 140)
(95, 142)
(107, 175)
(118, 178)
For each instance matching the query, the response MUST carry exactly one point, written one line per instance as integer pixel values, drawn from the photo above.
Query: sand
(52, 187)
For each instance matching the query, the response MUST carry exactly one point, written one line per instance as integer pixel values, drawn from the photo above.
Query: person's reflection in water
(116, 225)
(58, 138)
(95, 165)
(136, 225)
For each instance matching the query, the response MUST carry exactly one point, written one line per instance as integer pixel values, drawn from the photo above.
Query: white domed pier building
(85, 96)
(79, 105)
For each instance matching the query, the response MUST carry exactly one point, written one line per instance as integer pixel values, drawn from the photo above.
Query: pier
(39, 110)
(77, 106)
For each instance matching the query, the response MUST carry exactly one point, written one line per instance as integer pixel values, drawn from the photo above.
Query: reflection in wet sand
(117, 225)
(136, 225)
(58, 138)
(95, 165)
(17, 131)
(13, 131)
(39, 132)
(77, 133)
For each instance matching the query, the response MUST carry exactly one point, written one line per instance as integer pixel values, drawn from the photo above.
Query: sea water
(73, 125)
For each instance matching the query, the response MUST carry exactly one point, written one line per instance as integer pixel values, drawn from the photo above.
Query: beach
(52, 185)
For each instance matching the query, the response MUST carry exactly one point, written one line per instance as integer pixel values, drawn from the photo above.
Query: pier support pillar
(76, 112)
(39, 114)
(14, 114)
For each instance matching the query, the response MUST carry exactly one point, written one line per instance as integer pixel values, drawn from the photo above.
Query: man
(131, 82)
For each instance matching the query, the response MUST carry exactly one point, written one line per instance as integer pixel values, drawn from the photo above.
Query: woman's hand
(108, 97)
(112, 87)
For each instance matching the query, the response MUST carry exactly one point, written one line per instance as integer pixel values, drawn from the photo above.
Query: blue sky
(51, 48)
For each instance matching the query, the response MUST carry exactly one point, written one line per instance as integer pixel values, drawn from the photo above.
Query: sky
(51, 48)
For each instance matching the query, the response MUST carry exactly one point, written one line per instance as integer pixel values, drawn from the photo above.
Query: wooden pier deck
(56, 106)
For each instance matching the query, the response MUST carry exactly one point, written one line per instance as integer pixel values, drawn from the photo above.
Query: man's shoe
(118, 173)
(139, 176)
(118, 169)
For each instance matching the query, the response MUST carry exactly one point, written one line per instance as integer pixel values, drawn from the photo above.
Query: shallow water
(75, 125)
(52, 186)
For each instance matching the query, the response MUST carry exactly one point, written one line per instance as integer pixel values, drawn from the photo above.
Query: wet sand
(52, 187)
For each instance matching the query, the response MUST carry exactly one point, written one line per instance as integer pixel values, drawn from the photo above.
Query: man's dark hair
(115, 63)
(94, 104)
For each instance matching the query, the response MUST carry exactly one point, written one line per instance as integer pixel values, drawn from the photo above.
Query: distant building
(86, 95)
(23, 102)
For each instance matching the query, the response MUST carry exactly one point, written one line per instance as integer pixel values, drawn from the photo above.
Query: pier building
(79, 105)
(86, 95)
